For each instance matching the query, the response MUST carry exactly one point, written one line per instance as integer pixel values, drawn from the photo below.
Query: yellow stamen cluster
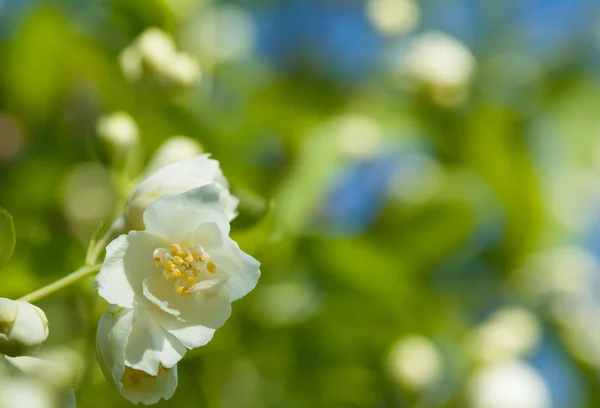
(137, 376)
(183, 265)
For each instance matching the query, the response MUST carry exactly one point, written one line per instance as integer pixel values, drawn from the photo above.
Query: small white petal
(196, 327)
(113, 332)
(177, 178)
(208, 287)
(242, 269)
(129, 259)
(162, 293)
(149, 345)
(177, 217)
(158, 287)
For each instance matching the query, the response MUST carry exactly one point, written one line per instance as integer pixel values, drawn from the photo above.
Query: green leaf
(7, 237)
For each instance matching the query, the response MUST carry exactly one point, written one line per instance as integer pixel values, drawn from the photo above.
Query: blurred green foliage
(441, 252)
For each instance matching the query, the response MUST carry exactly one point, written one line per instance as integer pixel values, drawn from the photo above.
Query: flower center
(183, 265)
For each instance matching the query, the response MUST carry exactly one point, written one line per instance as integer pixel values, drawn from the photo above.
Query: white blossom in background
(220, 33)
(415, 362)
(177, 178)
(20, 393)
(49, 380)
(137, 355)
(509, 333)
(155, 52)
(176, 148)
(560, 273)
(23, 326)
(171, 287)
(184, 70)
(118, 130)
(393, 16)
(441, 64)
(511, 384)
(358, 137)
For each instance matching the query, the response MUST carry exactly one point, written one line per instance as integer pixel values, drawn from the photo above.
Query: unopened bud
(23, 326)
(118, 130)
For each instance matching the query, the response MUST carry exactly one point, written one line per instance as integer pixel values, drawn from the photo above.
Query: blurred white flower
(184, 69)
(175, 149)
(512, 384)
(509, 333)
(442, 64)
(21, 393)
(177, 178)
(50, 379)
(564, 272)
(179, 276)
(415, 362)
(393, 16)
(358, 136)
(137, 355)
(23, 326)
(118, 131)
(155, 51)
(220, 33)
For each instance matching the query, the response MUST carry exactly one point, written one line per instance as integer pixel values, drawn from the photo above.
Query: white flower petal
(177, 178)
(178, 217)
(149, 345)
(149, 390)
(113, 332)
(209, 235)
(208, 287)
(196, 327)
(242, 269)
(158, 287)
(162, 293)
(129, 259)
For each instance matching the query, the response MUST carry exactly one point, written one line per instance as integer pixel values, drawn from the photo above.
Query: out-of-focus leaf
(252, 209)
(7, 237)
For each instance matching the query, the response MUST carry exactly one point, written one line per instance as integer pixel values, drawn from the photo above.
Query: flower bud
(23, 326)
(178, 178)
(118, 131)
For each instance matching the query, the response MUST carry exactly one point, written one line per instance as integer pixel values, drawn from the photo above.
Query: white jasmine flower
(179, 275)
(512, 384)
(137, 355)
(22, 326)
(177, 178)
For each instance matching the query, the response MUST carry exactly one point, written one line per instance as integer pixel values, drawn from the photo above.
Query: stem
(79, 274)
